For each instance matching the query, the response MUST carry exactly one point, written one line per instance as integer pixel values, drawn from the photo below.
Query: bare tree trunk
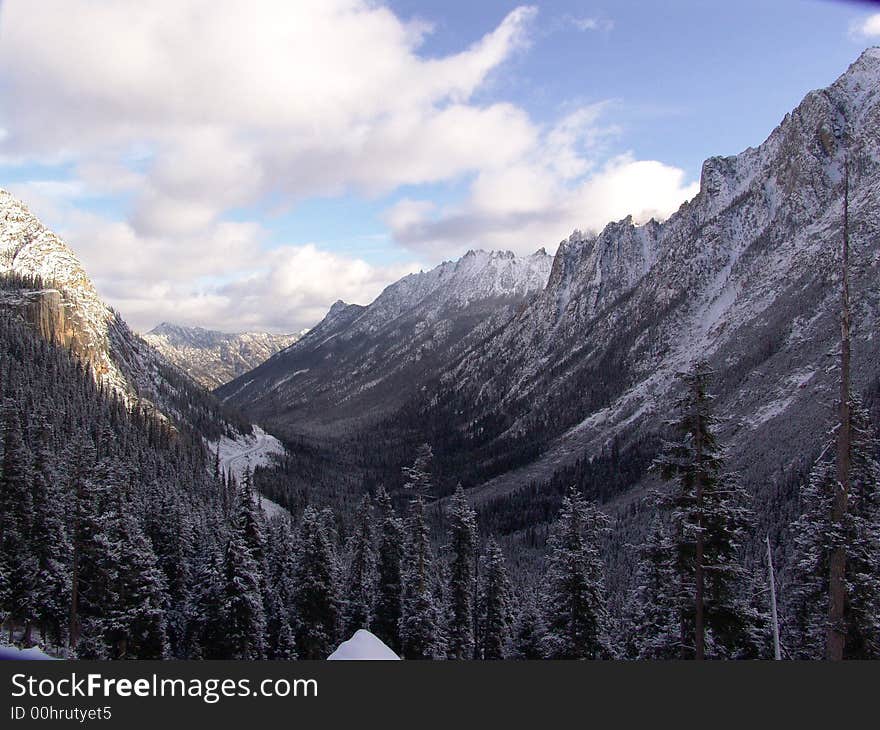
(774, 616)
(836, 632)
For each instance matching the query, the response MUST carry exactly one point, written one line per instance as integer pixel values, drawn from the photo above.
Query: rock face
(42, 280)
(69, 310)
(360, 363)
(214, 358)
(746, 274)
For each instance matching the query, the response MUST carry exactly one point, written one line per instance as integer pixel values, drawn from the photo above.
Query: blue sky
(310, 151)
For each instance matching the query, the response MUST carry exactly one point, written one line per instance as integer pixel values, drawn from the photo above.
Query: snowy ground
(246, 452)
(13, 652)
(363, 645)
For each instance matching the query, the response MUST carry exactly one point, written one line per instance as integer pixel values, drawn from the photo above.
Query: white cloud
(588, 23)
(187, 110)
(541, 197)
(868, 27)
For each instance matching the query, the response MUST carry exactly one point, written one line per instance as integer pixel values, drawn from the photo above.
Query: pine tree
(417, 477)
(316, 597)
(386, 622)
(243, 609)
(528, 632)
(652, 625)
(17, 521)
(134, 615)
(495, 608)
(205, 620)
(420, 617)
(52, 548)
(362, 575)
(816, 536)
(280, 619)
(576, 613)
(711, 520)
(462, 542)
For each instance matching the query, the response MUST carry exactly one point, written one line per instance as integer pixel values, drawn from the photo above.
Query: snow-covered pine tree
(710, 522)
(495, 610)
(652, 626)
(317, 602)
(52, 547)
(280, 619)
(362, 571)
(420, 616)
(574, 596)
(386, 621)
(243, 610)
(134, 613)
(16, 522)
(816, 536)
(528, 631)
(417, 476)
(463, 545)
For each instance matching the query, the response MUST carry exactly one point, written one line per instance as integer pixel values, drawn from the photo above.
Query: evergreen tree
(52, 547)
(279, 612)
(528, 633)
(206, 626)
(710, 518)
(417, 476)
(386, 622)
(362, 575)
(495, 609)
(652, 625)
(133, 615)
(16, 522)
(575, 588)
(316, 597)
(817, 535)
(462, 542)
(243, 609)
(420, 616)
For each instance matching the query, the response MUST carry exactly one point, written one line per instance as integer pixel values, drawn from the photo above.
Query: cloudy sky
(241, 164)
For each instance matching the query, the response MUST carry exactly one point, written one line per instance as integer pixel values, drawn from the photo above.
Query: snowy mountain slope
(745, 274)
(214, 358)
(361, 362)
(46, 285)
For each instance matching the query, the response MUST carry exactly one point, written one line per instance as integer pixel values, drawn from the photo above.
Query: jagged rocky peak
(213, 358)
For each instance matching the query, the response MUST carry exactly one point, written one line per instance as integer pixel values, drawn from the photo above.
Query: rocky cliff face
(362, 362)
(42, 280)
(746, 274)
(214, 358)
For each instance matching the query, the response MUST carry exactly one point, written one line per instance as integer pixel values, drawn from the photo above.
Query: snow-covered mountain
(746, 274)
(44, 282)
(362, 361)
(213, 358)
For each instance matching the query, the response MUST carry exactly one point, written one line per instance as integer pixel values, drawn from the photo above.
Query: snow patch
(363, 646)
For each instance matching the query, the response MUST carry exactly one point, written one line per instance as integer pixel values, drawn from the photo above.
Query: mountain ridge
(211, 357)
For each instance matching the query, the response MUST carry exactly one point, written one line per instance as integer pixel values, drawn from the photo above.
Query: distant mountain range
(213, 358)
(362, 362)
